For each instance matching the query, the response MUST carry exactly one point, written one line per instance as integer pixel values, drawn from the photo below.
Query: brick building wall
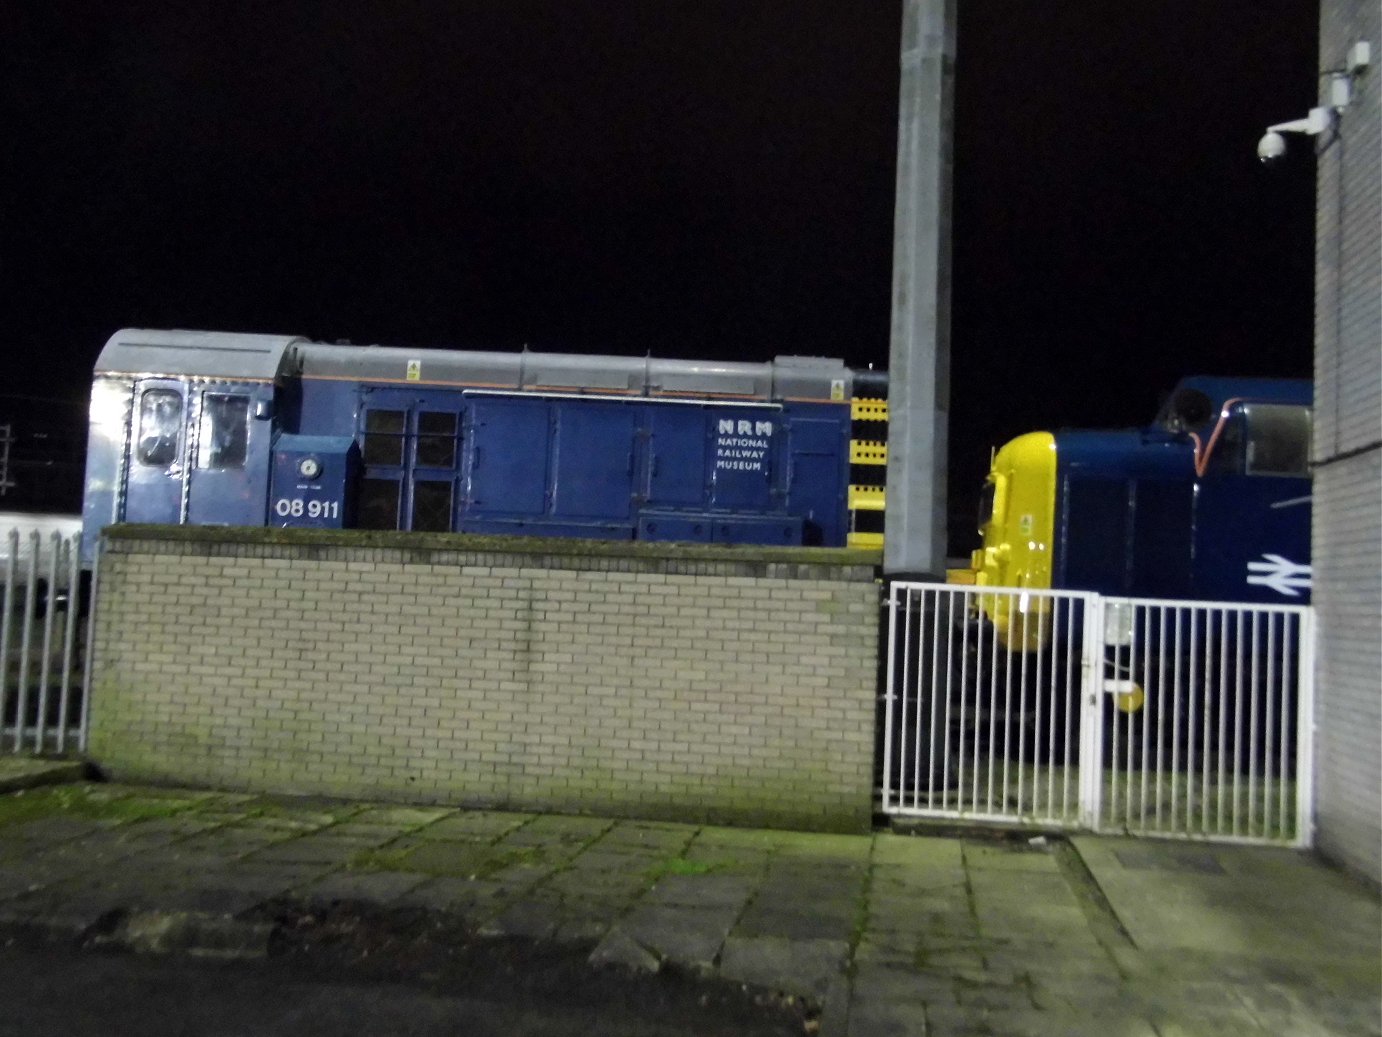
(1347, 549)
(637, 680)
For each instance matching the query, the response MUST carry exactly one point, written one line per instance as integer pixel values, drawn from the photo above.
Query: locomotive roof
(563, 372)
(1222, 388)
(204, 354)
(211, 354)
(1217, 391)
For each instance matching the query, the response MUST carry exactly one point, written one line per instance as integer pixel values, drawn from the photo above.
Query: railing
(1117, 715)
(1214, 748)
(44, 641)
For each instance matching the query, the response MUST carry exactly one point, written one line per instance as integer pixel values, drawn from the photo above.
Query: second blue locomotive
(1209, 502)
(252, 430)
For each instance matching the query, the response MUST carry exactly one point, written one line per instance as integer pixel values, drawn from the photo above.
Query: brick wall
(637, 680)
(1347, 550)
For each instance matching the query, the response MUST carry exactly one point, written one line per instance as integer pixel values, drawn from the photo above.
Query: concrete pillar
(919, 361)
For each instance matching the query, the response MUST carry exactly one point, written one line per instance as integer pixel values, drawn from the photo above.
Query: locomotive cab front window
(986, 497)
(1278, 439)
(223, 432)
(160, 421)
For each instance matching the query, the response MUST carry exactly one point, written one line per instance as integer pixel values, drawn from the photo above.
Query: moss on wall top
(509, 545)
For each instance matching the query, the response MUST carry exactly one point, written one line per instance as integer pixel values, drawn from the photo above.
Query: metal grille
(1069, 709)
(43, 642)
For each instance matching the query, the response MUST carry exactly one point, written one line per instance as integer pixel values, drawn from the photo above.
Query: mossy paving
(89, 803)
(485, 866)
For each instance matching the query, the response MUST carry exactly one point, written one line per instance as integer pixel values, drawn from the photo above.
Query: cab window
(1277, 439)
(986, 496)
(160, 421)
(223, 432)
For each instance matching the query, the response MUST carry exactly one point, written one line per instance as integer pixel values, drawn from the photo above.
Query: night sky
(708, 179)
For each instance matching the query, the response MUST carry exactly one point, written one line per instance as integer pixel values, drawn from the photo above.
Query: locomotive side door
(227, 455)
(410, 448)
(816, 478)
(156, 461)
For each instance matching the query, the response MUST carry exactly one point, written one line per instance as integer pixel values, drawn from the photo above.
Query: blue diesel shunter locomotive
(253, 430)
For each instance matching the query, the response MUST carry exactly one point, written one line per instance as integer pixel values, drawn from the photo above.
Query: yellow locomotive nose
(1017, 522)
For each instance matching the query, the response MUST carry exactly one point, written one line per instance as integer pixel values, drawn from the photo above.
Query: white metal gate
(44, 634)
(1070, 709)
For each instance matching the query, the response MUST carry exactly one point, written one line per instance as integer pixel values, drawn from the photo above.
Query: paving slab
(378, 887)
(598, 885)
(486, 826)
(724, 891)
(439, 856)
(887, 1018)
(557, 828)
(689, 936)
(900, 984)
(660, 839)
(581, 922)
(886, 949)
(1244, 900)
(805, 967)
(801, 921)
(398, 817)
(987, 857)
(313, 849)
(620, 860)
(467, 898)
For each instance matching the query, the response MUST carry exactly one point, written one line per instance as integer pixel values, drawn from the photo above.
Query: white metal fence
(1069, 709)
(43, 643)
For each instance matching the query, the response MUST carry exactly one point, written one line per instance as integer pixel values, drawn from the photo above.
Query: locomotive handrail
(1203, 452)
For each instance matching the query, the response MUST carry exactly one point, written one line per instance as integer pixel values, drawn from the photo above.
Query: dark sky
(706, 178)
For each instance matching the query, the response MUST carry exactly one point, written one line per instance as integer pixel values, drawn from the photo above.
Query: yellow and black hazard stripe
(868, 471)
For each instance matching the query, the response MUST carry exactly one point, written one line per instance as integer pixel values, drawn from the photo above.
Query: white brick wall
(710, 689)
(1347, 549)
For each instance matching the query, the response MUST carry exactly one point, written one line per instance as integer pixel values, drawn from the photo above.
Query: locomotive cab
(180, 429)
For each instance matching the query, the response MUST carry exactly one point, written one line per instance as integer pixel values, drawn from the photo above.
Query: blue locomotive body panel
(617, 448)
(1212, 502)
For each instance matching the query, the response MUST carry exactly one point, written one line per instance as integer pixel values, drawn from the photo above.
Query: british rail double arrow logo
(1279, 574)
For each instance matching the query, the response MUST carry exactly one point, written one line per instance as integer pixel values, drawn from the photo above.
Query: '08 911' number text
(296, 507)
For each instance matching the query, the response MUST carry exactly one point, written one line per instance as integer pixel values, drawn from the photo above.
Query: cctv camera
(1271, 147)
